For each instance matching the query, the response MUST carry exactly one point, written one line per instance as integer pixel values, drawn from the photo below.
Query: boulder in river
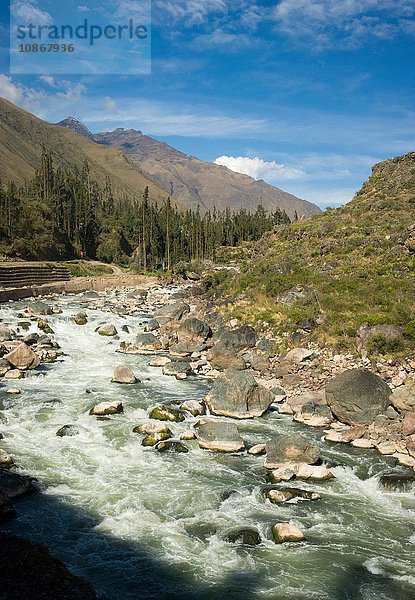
(67, 431)
(249, 536)
(81, 318)
(357, 396)
(219, 436)
(398, 482)
(280, 495)
(23, 357)
(107, 408)
(154, 432)
(178, 368)
(172, 446)
(4, 367)
(191, 335)
(14, 374)
(408, 423)
(39, 308)
(146, 343)
(291, 449)
(6, 333)
(286, 532)
(107, 330)
(123, 374)
(236, 394)
(194, 407)
(167, 412)
(6, 460)
(152, 325)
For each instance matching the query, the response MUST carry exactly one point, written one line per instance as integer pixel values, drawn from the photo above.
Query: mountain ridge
(195, 183)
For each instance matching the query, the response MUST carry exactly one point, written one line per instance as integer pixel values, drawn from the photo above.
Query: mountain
(22, 136)
(339, 270)
(199, 183)
(75, 125)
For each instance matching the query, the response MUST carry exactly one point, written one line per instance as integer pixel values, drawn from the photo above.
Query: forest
(64, 214)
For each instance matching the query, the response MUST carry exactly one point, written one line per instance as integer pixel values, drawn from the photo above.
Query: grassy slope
(353, 259)
(21, 138)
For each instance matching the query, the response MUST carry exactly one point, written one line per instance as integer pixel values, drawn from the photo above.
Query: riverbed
(141, 524)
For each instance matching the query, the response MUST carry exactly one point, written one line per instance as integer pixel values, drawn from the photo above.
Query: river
(140, 524)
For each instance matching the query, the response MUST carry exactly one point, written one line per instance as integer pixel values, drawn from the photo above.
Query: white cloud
(66, 96)
(225, 39)
(48, 79)
(259, 169)
(347, 23)
(110, 105)
(83, 9)
(190, 12)
(28, 11)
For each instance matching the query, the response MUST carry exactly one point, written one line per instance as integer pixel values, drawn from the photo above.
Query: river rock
(170, 312)
(194, 407)
(366, 333)
(159, 361)
(403, 397)
(239, 339)
(188, 436)
(23, 357)
(363, 443)
(357, 396)
(314, 414)
(283, 474)
(286, 532)
(257, 450)
(39, 308)
(397, 482)
(249, 536)
(13, 391)
(14, 374)
(6, 460)
(291, 449)
(67, 431)
(178, 368)
(285, 494)
(4, 366)
(167, 412)
(31, 339)
(123, 374)
(345, 436)
(219, 436)
(147, 343)
(408, 423)
(172, 446)
(107, 330)
(6, 333)
(107, 408)
(152, 325)
(154, 432)
(191, 335)
(222, 358)
(81, 318)
(316, 473)
(298, 355)
(236, 394)
(14, 485)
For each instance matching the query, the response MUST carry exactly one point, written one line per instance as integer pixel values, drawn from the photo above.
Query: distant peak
(77, 126)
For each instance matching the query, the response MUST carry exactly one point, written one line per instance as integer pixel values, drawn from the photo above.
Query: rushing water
(140, 524)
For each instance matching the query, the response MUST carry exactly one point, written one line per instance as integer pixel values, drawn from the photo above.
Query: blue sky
(306, 94)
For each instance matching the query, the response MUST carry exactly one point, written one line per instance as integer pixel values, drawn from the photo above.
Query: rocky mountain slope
(199, 183)
(22, 136)
(324, 278)
(78, 127)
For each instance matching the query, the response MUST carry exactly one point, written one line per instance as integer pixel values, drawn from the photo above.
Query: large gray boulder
(124, 375)
(191, 335)
(107, 330)
(172, 312)
(223, 357)
(404, 397)
(219, 437)
(291, 449)
(238, 339)
(13, 485)
(147, 343)
(357, 396)
(236, 394)
(39, 308)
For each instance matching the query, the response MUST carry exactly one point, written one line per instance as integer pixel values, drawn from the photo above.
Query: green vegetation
(354, 265)
(84, 269)
(65, 214)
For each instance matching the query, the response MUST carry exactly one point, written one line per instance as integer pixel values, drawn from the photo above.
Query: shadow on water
(119, 569)
(358, 583)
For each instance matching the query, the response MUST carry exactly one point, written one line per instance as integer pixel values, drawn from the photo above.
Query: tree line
(65, 214)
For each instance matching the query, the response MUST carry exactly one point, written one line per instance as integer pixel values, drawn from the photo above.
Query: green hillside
(356, 265)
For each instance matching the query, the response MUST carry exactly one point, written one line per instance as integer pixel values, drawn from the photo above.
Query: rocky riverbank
(351, 400)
